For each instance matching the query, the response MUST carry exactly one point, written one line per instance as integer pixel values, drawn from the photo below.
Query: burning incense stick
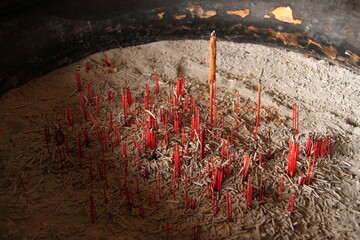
(212, 70)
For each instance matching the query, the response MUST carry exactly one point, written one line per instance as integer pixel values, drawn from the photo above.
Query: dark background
(39, 36)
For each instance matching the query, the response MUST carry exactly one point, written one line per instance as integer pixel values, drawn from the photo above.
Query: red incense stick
(108, 94)
(293, 153)
(124, 155)
(218, 179)
(186, 104)
(83, 106)
(89, 92)
(106, 61)
(281, 188)
(186, 180)
(193, 105)
(186, 199)
(110, 121)
(157, 88)
(202, 144)
(248, 194)
(197, 231)
(87, 67)
(246, 165)
(214, 205)
(117, 135)
(87, 138)
(176, 159)
(291, 203)
(78, 82)
(179, 87)
(308, 145)
(310, 170)
(129, 98)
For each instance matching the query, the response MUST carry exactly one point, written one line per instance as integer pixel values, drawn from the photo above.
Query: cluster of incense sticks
(151, 133)
(318, 147)
(161, 144)
(293, 152)
(218, 179)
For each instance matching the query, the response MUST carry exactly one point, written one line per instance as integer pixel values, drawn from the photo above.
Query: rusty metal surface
(40, 37)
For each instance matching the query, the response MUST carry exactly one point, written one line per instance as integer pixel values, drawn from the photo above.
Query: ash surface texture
(40, 199)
